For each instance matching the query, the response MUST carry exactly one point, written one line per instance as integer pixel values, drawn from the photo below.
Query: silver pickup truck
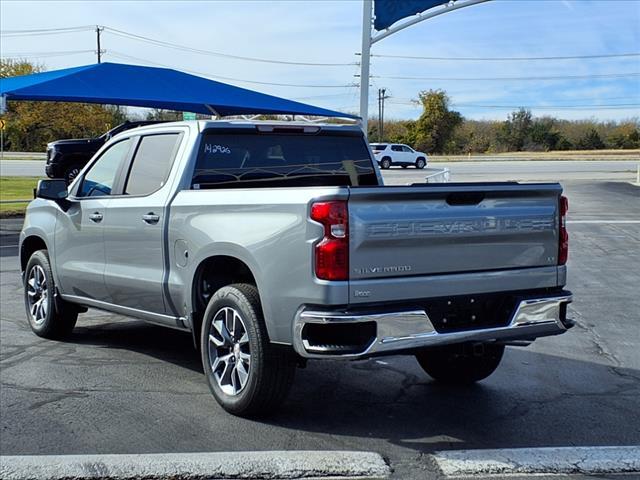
(276, 243)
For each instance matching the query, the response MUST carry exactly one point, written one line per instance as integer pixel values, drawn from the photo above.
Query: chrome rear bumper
(410, 329)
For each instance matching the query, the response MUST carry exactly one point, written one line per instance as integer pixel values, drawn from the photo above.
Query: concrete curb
(179, 466)
(565, 460)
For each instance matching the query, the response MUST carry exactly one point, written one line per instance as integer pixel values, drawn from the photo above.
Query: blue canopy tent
(134, 85)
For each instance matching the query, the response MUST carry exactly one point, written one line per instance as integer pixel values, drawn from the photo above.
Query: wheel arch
(29, 245)
(212, 273)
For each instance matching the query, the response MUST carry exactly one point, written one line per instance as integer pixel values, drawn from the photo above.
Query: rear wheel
(461, 363)
(49, 317)
(247, 375)
(420, 163)
(385, 163)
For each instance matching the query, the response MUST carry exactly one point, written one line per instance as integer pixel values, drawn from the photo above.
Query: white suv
(388, 154)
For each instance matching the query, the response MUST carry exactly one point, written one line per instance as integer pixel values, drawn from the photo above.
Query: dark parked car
(65, 158)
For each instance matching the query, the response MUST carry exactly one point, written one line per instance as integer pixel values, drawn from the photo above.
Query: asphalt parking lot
(122, 386)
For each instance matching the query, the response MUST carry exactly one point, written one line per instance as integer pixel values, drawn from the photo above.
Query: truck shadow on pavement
(162, 343)
(534, 398)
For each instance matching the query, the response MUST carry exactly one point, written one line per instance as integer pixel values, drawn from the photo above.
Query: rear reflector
(332, 252)
(563, 247)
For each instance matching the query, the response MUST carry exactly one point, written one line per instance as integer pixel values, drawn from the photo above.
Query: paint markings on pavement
(561, 460)
(603, 222)
(219, 465)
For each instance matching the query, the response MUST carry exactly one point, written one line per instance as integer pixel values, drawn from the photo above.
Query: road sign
(2, 124)
(188, 116)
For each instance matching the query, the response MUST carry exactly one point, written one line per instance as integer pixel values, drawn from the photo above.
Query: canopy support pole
(365, 60)
(213, 112)
(420, 17)
(368, 40)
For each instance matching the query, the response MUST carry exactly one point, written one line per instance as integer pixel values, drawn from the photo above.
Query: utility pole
(381, 98)
(380, 115)
(99, 29)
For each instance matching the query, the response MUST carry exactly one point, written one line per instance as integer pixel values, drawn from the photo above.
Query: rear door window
(396, 148)
(257, 159)
(151, 163)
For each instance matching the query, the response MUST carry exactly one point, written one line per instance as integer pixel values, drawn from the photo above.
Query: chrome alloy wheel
(229, 351)
(37, 294)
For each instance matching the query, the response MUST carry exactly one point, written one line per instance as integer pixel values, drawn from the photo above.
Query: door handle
(95, 217)
(151, 218)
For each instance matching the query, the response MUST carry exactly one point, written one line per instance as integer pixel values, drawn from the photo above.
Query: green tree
(626, 135)
(516, 130)
(31, 125)
(435, 127)
(164, 115)
(590, 141)
(543, 135)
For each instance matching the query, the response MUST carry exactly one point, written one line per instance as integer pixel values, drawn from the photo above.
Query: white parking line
(603, 221)
(275, 464)
(564, 460)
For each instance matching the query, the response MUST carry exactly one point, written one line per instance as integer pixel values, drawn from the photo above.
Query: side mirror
(54, 189)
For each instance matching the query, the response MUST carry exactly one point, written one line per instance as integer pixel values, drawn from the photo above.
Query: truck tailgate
(441, 229)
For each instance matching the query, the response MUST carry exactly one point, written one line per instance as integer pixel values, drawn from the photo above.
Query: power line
(616, 106)
(509, 59)
(162, 43)
(334, 95)
(499, 79)
(45, 31)
(184, 48)
(573, 107)
(219, 77)
(632, 98)
(60, 53)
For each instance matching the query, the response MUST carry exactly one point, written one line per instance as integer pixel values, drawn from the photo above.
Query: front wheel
(247, 375)
(421, 163)
(49, 317)
(461, 363)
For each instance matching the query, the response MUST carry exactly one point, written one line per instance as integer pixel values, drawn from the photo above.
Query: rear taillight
(563, 247)
(332, 252)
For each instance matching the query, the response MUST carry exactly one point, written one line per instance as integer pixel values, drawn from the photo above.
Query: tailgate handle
(465, 198)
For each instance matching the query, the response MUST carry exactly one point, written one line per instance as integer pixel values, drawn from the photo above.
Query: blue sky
(324, 31)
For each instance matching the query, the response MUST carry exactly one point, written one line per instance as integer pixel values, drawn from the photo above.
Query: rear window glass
(253, 159)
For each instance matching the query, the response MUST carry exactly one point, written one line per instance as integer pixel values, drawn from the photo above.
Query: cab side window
(406, 149)
(151, 164)
(396, 148)
(100, 178)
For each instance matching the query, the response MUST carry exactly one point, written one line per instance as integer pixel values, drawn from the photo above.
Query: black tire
(421, 163)
(56, 318)
(385, 163)
(271, 368)
(461, 363)
(72, 172)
